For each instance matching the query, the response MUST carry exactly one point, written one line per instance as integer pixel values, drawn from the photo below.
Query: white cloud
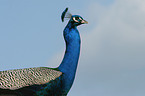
(121, 28)
(113, 51)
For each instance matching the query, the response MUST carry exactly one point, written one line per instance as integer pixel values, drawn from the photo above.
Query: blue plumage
(45, 81)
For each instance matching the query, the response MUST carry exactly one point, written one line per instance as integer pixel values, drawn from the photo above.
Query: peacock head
(74, 19)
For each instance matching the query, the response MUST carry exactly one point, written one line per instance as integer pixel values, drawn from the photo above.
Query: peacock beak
(84, 22)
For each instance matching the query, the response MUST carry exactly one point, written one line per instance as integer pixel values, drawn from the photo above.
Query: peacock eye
(77, 18)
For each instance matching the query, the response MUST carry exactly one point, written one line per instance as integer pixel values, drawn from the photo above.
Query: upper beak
(84, 22)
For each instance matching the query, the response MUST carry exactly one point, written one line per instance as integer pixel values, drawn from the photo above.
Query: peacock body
(44, 81)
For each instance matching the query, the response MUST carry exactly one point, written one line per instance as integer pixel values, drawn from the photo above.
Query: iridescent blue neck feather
(70, 60)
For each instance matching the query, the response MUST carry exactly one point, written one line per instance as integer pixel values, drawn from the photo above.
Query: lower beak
(84, 22)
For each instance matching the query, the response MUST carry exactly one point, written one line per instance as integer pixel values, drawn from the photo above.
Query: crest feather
(65, 14)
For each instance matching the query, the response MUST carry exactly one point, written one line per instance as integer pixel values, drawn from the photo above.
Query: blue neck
(70, 60)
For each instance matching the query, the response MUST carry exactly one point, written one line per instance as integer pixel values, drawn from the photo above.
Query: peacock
(44, 81)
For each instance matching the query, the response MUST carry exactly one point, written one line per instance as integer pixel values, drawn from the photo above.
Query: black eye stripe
(77, 18)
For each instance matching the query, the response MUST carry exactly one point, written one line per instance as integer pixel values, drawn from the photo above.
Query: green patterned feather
(15, 79)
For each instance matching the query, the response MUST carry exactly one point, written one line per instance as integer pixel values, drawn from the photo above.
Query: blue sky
(112, 61)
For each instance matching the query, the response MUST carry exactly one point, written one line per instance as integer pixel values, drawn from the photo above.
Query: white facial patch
(75, 19)
(80, 18)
